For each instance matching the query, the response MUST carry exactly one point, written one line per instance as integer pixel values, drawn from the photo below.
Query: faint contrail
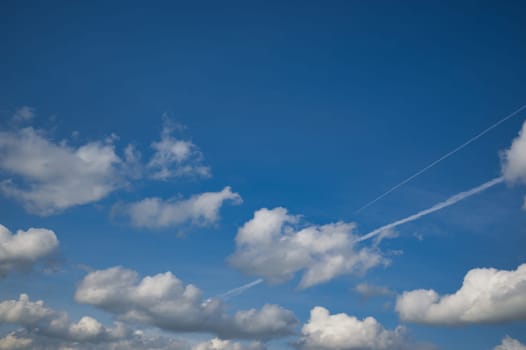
(239, 290)
(447, 155)
(450, 201)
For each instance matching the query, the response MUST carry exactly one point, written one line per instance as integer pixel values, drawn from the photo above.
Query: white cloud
(174, 157)
(24, 248)
(40, 319)
(343, 332)
(271, 246)
(164, 301)
(12, 342)
(514, 159)
(24, 114)
(369, 290)
(136, 340)
(218, 344)
(55, 176)
(509, 343)
(487, 295)
(199, 209)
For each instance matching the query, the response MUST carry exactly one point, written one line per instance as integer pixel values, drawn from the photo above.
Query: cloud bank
(271, 246)
(487, 295)
(24, 248)
(164, 301)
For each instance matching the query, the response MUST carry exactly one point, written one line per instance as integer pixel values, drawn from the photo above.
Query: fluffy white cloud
(487, 295)
(510, 344)
(369, 290)
(164, 301)
(56, 176)
(174, 157)
(271, 246)
(218, 344)
(40, 319)
(514, 159)
(24, 248)
(343, 332)
(199, 209)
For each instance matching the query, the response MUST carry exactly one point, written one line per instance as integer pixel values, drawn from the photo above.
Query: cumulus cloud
(174, 157)
(24, 248)
(164, 301)
(199, 209)
(487, 295)
(509, 343)
(369, 290)
(40, 319)
(54, 176)
(514, 159)
(218, 344)
(324, 331)
(272, 246)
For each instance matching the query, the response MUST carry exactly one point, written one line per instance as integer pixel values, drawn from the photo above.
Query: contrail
(450, 201)
(445, 156)
(239, 290)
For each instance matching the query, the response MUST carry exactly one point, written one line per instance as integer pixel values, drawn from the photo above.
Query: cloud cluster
(164, 301)
(324, 331)
(271, 245)
(136, 340)
(509, 343)
(199, 209)
(40, 319)
(47, 176)
(24, 248)
(174, 157)
(487, 295)
(55, 176)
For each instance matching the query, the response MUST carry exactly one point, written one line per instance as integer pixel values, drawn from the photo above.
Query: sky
(216, 175)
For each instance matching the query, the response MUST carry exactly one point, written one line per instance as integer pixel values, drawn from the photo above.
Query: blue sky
(117, 117)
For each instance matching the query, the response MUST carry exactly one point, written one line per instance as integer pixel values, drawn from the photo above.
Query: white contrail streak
(239, 290)
(450, 201)
(445, 156)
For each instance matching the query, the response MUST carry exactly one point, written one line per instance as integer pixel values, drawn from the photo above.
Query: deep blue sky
(314, 106)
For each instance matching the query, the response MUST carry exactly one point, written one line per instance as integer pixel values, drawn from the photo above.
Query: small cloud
(23, 114)
(201, 209)
(367, 291)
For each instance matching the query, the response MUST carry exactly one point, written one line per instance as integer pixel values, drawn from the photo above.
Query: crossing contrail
(239, 290)
(445, 156)
(450, 201)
